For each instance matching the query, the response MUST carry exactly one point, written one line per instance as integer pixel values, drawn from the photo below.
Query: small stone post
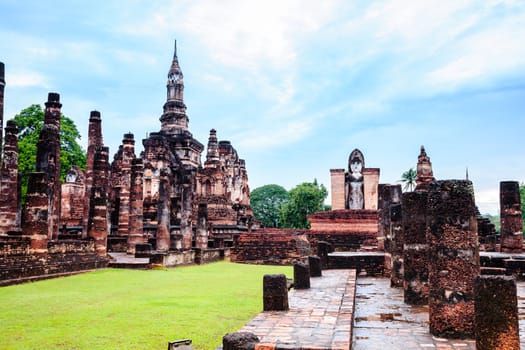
(496, 317)
(511, 221)
(275, 293)
(315, 266)
(301, 276)
(239, 341)
(415, 248)
(454, 258)
(323, 248)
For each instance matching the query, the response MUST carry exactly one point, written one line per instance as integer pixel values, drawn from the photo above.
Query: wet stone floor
(383, 321)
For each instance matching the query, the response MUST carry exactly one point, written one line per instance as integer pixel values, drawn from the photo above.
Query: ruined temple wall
(279, 247)
(19, 264)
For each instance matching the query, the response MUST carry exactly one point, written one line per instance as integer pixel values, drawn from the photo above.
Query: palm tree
(409, 179)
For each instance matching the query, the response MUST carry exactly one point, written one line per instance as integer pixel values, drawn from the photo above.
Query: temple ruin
(164, 201)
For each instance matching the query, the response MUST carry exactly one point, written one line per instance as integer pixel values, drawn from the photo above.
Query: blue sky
(295, 85)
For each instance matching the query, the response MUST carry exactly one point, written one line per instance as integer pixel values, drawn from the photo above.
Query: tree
(30, 122)
(306, 198)
(266, 202)
(409, 179)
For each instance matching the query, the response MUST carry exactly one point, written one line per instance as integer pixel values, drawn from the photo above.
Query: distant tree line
(274, 206)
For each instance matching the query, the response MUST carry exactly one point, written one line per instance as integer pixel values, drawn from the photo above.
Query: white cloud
(252, 36)
(485, 55)
(487, 200)
(269, 137)
(26, 78)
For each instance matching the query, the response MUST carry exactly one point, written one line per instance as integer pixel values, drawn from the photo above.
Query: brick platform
(319, 318)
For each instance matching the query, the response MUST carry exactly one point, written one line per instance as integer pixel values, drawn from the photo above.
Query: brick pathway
(319, 318)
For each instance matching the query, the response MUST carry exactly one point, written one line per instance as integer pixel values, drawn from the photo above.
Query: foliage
(306, 198)
(266, 202)
(132, 309)
(30, 122)
(409, 179)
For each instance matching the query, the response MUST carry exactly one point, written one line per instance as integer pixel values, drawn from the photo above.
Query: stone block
(275, 293)
(239, 341)
(496, 313)
(315, 266)
(301, 276)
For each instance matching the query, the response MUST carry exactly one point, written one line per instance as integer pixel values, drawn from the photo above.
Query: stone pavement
(383, 321)
(319, 318)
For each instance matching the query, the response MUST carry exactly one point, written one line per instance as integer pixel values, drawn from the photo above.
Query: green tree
(409, 179)
(30, 122)
(306, 198)
(266, 202)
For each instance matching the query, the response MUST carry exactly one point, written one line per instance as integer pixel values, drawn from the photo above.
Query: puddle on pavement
(382, 317)
(361, 297)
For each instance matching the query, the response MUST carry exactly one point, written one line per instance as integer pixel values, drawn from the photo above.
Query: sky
(295, 85)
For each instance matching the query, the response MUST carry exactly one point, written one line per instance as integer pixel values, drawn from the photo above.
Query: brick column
(395, 235)
(136, 228)
(370, 183)
(98, 215)
(186, 229)
(201, 238)
(48, 159)
(94, 141)
(511, 221)
(496, 319)
(338, 188)
(35, 218)
(2, 88)
(126, 157)
(454, 258)
(163, 213)
(9, 216)
(415, 248)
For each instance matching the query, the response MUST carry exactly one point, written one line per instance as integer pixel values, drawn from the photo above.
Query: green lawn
(127, 309)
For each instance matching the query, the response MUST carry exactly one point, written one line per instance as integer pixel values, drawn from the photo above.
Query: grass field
(129, 309)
